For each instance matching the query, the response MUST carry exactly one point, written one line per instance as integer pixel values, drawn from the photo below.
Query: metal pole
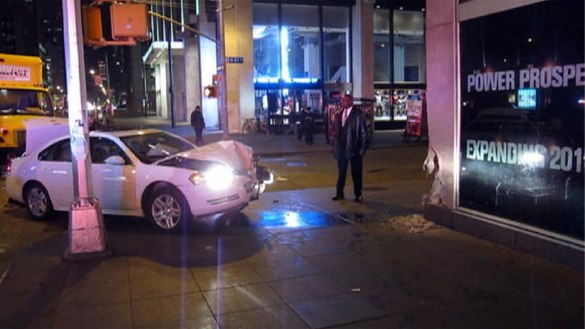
(221, 72)
(171, 93)
(86, 231)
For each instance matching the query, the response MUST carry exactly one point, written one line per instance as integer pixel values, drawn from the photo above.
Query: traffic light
(210, 91)
(114, 24)
(129, 20)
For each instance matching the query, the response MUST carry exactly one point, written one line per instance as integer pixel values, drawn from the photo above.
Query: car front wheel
(168, 210)
(38, 202)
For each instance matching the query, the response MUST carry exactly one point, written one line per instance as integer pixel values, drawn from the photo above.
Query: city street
(293, 259)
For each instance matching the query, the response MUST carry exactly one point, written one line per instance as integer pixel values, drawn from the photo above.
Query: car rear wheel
(168, 209)
(38, 202)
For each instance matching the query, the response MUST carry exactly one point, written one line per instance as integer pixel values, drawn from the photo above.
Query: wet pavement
(293, 259)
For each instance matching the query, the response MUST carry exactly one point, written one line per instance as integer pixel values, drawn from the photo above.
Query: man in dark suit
(349, 144)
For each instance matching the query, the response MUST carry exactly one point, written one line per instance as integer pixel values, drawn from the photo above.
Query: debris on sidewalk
(414, 223)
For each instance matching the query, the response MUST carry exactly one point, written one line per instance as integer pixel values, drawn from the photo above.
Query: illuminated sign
(527, 98)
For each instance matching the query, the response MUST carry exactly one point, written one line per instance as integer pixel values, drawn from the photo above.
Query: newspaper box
(415, 118)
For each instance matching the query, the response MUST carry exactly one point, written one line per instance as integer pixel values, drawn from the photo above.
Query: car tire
(37, 201)
(168, 210)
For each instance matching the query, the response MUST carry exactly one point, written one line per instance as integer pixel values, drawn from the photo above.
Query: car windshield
(150, 147)
(16, 101)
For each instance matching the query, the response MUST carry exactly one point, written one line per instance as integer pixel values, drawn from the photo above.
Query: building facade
(505, 98)
(283, 56)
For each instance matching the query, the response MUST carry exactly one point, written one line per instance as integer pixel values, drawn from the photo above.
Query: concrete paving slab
(218, 278)
(155, 287)
(279, 316)
(116, 315)
(306, 287)
(97, 271)
(286, 268)
(336, 310)
(201, 322)
(84, 296)
(145, 269)
(241, 298)
(169, 309)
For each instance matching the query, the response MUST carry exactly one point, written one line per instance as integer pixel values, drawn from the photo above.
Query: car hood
(42, 129)
(232, 153)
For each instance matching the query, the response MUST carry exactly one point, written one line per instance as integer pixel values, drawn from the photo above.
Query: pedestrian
(307, 123)
(349, 143)
(198, 123)
(292, 123)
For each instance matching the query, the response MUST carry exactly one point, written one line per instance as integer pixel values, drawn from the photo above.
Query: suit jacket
(356, 135)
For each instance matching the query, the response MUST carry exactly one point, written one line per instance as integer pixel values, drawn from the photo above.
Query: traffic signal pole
(86, 230)
(221, 72)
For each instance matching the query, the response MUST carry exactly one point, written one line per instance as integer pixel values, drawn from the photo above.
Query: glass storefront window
(382, 105)
(336, 44)
(300, 42)
(382, 46)
(409, 49)
(266, 41)
(522, 116)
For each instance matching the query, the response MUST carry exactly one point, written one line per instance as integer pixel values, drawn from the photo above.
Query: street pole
(86, 230)
(171, 89)
(221, 72)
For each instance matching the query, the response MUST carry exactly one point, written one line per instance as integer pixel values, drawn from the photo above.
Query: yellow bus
(22, 96)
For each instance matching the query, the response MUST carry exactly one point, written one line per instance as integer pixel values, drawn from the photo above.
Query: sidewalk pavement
(293, 259)
(266, 144)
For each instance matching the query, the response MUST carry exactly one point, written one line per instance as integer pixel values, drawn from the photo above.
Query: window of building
(300, 42)
(521, 115)
(336, 44)
(266, 41)
(409, 49)
(382, 46)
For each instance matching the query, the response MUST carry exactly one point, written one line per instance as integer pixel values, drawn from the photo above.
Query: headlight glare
(217, 177)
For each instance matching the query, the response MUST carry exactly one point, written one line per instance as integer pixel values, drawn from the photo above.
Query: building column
(179, 91)
(363, 49)
(240, 77)
(192, 72)
(442, 56)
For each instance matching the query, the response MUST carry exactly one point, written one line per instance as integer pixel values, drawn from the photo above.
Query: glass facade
(399, 61)
(409, 50)
(300, 42)
(336, 44)
(297, 50)
(266, 41)
(522, 105)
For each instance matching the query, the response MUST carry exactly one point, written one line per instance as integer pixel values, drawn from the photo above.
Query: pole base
(87, 237)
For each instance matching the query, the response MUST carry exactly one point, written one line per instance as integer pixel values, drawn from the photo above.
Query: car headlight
(217, 177)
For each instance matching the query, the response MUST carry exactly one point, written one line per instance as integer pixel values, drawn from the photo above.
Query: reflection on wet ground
(296, 219)
(296, 164)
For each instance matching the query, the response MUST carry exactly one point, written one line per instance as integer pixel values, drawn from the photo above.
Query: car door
(114, 184)
(55, 172)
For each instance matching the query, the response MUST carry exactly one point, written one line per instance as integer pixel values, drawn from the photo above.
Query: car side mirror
(115, 160)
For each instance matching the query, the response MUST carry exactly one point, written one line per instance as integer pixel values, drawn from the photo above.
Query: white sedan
(146, 173)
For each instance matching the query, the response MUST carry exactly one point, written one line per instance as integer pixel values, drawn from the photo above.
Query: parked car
(146, 173)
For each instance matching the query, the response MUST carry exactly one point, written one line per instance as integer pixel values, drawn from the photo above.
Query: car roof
(124, 132)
